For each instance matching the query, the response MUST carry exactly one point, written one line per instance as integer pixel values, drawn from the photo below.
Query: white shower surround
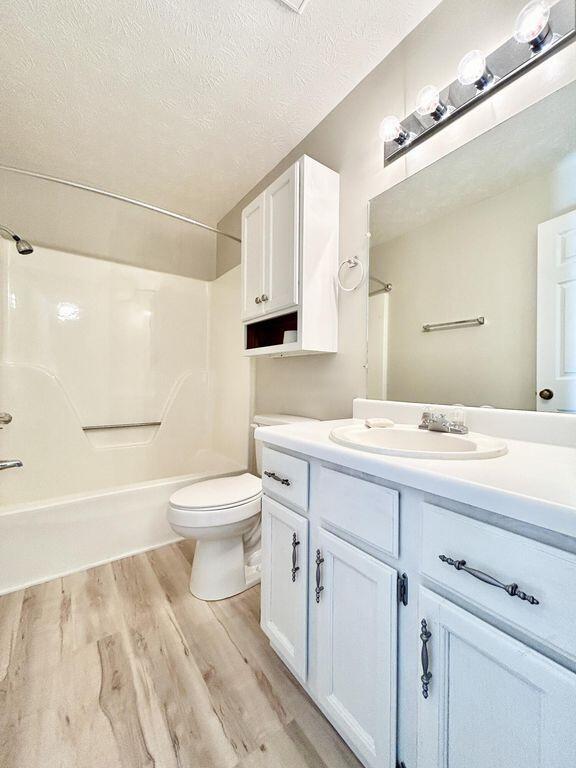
(89, 342)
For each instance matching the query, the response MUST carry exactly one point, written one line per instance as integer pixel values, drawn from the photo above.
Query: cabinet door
(282, 242)
(285, 584)
(492, 701)
(356, 647)
(253, 245)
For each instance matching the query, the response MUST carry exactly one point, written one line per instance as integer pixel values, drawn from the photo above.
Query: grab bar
(454, 324)
(93, 428)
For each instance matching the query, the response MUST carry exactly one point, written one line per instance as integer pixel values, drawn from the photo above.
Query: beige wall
(477, 260)
(75, 221)
(347, 141)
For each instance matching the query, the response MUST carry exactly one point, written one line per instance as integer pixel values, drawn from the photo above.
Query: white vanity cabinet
(328, 607)
(487, 699)
(290, 261)
(355, 646)
(454, 666)
(284, 607)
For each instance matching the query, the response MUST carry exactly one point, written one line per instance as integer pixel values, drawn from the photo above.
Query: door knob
(5, 418)
(264, 297)
(546, 394)
(258, 300)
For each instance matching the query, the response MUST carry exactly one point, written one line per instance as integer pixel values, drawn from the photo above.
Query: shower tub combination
(117, 382)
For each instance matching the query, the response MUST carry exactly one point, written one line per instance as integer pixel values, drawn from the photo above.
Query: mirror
(472, 281)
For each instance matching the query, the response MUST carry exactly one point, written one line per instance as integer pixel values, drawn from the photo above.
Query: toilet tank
(272, 420)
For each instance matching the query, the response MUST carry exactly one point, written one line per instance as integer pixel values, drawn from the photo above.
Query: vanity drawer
(367, 511)
(541, 571)
(285, 477)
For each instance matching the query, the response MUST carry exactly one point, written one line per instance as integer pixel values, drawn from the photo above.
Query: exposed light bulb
(472, 70)
(428, 102)
(391, 129)
(532, 25)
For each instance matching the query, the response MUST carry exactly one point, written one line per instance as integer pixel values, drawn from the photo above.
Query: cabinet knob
(258, 300)
(264, 297)
(546, 394)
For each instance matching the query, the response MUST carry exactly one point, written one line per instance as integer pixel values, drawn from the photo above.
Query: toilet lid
(219, 493)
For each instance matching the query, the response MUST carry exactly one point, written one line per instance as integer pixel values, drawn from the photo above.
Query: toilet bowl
(220, 514)
(223, 515)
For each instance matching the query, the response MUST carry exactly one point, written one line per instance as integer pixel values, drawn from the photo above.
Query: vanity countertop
(534, 483)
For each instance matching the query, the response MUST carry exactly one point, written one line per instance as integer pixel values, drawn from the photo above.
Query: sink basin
(410, 442)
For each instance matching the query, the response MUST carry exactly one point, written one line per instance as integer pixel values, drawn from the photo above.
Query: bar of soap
(378, 423)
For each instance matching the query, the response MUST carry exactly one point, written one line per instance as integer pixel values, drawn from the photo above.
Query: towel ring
(351, 264)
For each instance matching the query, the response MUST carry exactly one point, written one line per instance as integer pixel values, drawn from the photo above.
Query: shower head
(23, 246)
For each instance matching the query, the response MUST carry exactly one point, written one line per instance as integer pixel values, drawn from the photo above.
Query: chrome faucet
(10, 463)
(439, 422)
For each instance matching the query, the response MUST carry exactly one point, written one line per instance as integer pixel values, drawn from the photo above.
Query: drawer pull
(274, 476)
(319, 587)
(425, 636)
(511, 589)
(295, 568)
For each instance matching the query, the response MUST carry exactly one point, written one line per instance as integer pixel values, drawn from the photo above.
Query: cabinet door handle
(263, 298)
(295, 568)
(258, 300)
(319, 587)
(511, 589)
(274, 476)
(425, 636)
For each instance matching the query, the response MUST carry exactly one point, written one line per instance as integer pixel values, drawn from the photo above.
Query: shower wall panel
(85, 342)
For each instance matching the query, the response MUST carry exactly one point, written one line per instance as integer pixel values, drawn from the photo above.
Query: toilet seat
(221, 501)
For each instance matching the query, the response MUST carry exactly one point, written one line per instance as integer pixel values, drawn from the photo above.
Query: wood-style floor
(120, 667)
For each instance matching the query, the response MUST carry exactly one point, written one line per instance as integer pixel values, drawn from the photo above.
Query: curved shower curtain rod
(122, 198)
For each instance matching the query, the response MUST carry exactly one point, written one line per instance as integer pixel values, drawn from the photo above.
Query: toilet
(223, 515)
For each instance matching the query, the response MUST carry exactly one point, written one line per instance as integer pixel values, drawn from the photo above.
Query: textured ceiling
(182, 103)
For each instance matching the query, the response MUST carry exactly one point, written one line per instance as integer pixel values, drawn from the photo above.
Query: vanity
(421, 583)
(428, 606)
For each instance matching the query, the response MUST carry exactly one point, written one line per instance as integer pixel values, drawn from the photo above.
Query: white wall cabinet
(253, 223)
(281, 202)
(290, 261)
(284, 612)
(355, 653)
(492, 701)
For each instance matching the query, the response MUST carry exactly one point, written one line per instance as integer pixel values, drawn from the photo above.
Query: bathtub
(44, 540)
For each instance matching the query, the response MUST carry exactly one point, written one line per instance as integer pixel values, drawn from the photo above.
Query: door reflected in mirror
(472, 283)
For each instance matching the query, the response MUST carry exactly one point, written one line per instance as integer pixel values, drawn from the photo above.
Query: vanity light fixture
(473, 70)
(533, 25)
(428, 102)
(391, 129)
(542, 28)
